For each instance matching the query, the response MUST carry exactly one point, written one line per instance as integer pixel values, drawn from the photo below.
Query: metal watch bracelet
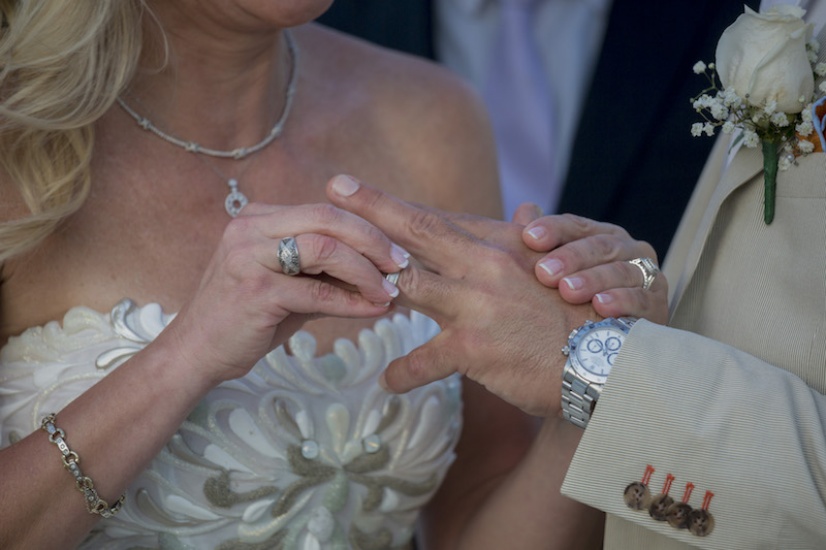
(578, 397)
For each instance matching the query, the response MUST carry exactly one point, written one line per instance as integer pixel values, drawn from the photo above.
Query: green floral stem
(770, 156)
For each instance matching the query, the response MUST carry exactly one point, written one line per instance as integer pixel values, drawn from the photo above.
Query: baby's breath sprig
(781, 135)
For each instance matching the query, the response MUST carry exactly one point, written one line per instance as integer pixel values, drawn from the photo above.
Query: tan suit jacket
(729, 397)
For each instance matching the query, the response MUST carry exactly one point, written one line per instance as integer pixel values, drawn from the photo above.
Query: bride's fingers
(324, 254)
(311, 295)
(276, 222)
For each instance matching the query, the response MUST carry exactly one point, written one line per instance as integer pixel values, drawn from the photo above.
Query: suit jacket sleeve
(709, 414)
(730, 397)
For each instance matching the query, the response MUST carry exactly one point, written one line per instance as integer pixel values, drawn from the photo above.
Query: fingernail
(551, 266)
(537, 210)
(604, 298)
(345, 185)
(574, 283)
(391, 289)
(383, 382)
(537, 232)
(399, 255)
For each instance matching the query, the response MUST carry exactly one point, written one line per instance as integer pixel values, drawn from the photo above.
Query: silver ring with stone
(288, 256)
(649, 271)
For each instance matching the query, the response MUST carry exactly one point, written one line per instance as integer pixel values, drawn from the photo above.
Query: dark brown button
(700, 521)
(677, 514)
(660, 503)
(636, 495)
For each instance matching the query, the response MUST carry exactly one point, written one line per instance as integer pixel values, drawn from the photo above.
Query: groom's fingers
(526, 212)
(549, 232)
(430, 237)
(446, 242)
(636, 302)
(438, 297)
(577, 244)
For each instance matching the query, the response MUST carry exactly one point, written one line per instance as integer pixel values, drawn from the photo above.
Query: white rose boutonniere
(766, 65)
(763, 58)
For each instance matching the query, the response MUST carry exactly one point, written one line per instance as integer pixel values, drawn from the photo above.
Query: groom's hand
(500, 326)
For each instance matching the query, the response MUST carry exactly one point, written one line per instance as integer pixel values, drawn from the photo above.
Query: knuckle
(256, 284)
(424, 223)
(374, 234)
(579, 223)
(500, 261)
(616, 230)
(236, 262)
(410, 279)
(324, 248)
(606, 246)
(326, 214)
(321, 292)
(237, 229)
(235, 256)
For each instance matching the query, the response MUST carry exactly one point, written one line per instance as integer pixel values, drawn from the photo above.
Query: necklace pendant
(235, 200)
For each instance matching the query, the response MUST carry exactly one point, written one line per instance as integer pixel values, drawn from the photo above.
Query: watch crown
(566, 350)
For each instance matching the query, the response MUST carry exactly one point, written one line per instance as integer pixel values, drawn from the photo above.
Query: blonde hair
(62, 65)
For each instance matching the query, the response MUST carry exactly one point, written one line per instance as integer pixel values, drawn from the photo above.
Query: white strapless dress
(304, 452)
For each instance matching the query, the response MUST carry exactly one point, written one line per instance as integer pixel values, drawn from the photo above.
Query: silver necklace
(235, 200)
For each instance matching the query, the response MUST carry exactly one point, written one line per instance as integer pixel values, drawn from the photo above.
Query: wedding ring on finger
(288, 256)
(649, 271)
(393, 278)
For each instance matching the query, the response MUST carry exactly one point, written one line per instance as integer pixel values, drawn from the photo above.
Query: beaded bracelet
(94, 503)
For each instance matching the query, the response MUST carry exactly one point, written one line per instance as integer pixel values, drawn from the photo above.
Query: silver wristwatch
(591, 350)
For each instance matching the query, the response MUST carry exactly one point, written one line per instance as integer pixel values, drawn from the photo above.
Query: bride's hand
(589, 261)
(245, 305)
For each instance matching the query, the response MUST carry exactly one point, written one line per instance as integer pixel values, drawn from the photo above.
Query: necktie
(518, 98)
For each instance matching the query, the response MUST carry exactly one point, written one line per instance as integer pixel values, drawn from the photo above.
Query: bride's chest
(98, 260)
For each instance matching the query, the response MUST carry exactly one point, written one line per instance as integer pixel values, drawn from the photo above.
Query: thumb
(425, 364)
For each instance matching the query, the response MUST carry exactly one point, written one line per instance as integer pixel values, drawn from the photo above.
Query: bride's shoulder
(396, 84)
(432, 118)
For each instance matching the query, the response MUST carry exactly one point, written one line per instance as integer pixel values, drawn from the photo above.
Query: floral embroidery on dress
(304, 452)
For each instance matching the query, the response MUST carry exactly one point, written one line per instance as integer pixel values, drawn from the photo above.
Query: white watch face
(597, 351)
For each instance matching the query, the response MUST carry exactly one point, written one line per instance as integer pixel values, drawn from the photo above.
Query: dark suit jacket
(634, 161)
